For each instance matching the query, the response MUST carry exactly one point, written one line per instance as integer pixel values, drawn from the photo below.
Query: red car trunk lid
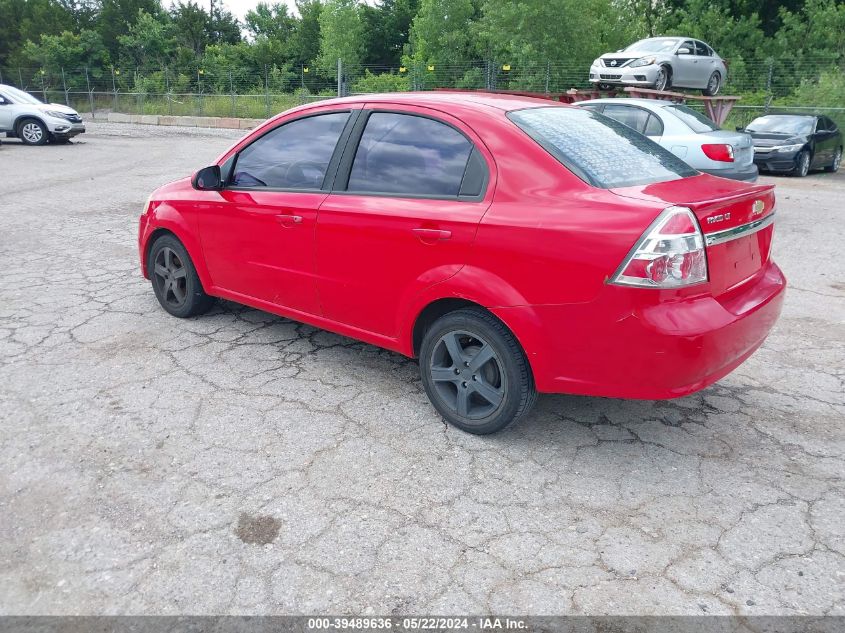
(736, 219)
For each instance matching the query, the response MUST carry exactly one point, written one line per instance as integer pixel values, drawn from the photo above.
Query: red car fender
(168, 218)
(488, 290)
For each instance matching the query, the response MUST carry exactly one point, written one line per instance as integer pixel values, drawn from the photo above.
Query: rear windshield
(695, 121)
(598, 149)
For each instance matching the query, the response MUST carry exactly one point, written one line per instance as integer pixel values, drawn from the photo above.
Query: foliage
(384, 82)
(341, 35)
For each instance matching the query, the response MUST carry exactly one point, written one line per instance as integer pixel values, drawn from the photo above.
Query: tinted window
(829, 124)
(598, 149)
(412, 155)
(293, 156)
(694, 120)
(634, 118)
(654, 127)
(689, 46)
(701, 49)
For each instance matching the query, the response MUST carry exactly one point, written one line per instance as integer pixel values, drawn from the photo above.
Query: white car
(688, 134)
(34, 122)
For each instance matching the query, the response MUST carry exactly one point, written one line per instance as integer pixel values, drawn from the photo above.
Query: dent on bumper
(619, 346)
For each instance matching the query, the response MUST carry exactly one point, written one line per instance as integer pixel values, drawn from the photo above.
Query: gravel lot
(243, 463)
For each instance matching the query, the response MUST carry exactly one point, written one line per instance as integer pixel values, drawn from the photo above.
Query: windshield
(601, 151)
(695, 121)
(782, 124)
(654, 45)
(18, 96)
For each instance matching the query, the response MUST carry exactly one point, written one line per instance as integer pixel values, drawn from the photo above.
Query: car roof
(450, 98)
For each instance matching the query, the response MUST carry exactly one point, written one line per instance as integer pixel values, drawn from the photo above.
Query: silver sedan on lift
(685, 132)
(661, 63)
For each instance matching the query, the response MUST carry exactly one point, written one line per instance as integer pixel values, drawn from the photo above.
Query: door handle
(432, 235)
(289, 220)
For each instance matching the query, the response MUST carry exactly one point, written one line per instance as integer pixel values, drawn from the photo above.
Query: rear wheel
(175, 282)
(475, 372)
(802, 164)
(33, 132)
(663, 79)
(714, 84)
(837, 160)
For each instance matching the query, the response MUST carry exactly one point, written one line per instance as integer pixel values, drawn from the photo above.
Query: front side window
(295, 155)
(405, 154)
(701, 49)
(599, 150)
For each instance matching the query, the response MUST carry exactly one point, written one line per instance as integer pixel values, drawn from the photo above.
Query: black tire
(664, 80)
(802, 164)
(837, 160)
(714, 84)
(175, 282)
(32, 132)
(479, 399)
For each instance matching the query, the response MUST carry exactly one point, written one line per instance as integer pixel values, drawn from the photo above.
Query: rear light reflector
(721, 152)
(670, 254)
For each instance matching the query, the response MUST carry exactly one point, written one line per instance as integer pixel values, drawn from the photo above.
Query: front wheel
(714, 84)
(33, 132)
(175, 281)
(661, 82)
(802, 164)
(837, 160)
(475, 372)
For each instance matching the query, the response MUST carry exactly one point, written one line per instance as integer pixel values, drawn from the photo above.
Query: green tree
(149, 42)
(441, 32)
(68, 50)
(191, 26)
(23, 21)
(305, 43)
(117, 16)
(341, 35)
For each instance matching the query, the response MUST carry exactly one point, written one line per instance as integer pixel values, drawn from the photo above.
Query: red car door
(411, 190)
(258, 237)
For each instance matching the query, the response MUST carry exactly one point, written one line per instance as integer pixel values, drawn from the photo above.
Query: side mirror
(739, 128)
(208, 179)
(684, 51)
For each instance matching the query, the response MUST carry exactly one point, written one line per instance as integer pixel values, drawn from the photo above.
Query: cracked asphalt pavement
(242, 463)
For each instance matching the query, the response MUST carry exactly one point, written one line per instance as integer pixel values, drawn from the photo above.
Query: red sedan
(513, 245)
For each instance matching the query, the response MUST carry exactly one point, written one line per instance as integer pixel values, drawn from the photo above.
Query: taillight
(719, 151)
(670, 254)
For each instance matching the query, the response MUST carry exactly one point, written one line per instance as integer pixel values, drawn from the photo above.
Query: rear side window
(292, 156)
(404, 154)
(598, 149)
(694, 120)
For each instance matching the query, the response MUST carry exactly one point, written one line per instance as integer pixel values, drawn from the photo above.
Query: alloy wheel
(468, 375)
(661, 80)
(32, 132)
(837, 159)
(803, 164)
(171, 277)
(713, 85)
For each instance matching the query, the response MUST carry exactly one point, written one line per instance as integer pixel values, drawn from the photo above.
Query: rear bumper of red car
(627, 344)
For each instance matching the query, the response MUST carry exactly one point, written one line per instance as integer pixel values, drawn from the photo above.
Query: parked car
(513, 245)
(34, 122)
(795, 143)
(661, 63)
(688, 134)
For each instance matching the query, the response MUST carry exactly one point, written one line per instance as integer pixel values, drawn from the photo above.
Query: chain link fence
(802, 84)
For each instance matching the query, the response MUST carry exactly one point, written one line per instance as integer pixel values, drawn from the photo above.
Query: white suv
(34, 122)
